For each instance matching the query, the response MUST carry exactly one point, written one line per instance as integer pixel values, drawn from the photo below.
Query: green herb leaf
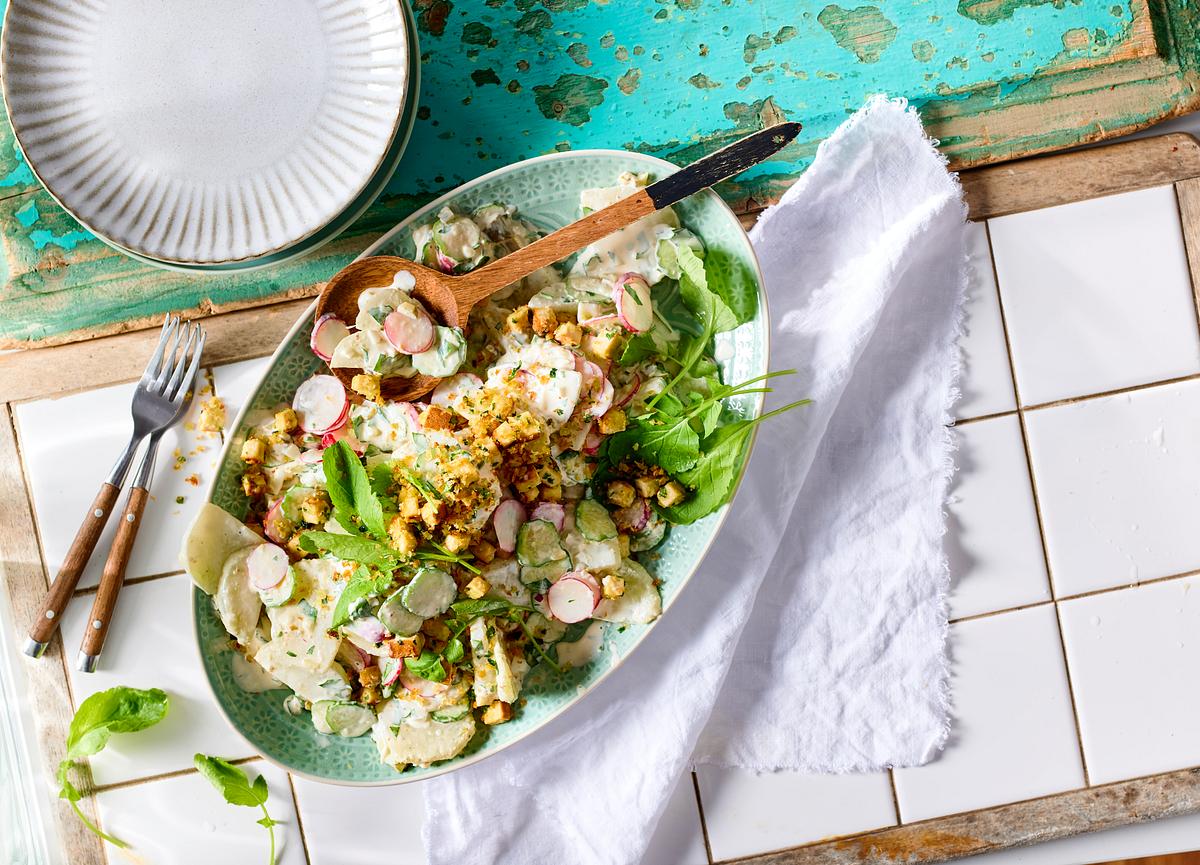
(483, 607)
(693, 288)
(638, 348)
(366, 503)
(235, 786)
(454, 651)
(361, 586)
(429, 666)
(354, 548)
(116, 710)
(337, 484)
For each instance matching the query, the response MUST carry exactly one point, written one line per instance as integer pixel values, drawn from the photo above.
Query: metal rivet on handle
(97, 624)
(129, 518)
(98, 513)
(49, 614)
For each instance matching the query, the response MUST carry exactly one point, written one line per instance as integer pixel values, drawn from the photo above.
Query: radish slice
(507, 519)
(352, 655)
(573, 597)
(600, 321)
(276, 526)
(368, 629)
(344, 433)
(454, 388)
(634, 307)
(633, 518)
(602, 401)
(390, 669)
(446, 263)
(321, 403)
(630, 391)
(313, 455)
(328, 331)
(267, 565)
(551, 512)
(408, 334)
(591, 444)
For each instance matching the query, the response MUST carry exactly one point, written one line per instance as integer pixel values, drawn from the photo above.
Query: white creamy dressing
(633, 249)
(250, 677)
(584, 650)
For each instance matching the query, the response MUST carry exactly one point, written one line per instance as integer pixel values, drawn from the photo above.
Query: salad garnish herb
(234, 784)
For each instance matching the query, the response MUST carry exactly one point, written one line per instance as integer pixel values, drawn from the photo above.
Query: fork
(43, 628)
(161, 399)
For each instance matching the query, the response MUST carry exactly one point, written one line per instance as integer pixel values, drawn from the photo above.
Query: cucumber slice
(430, 593)
(651, 536)
(449, 714)
(538, 543)
(445, 357)
(397, 618)
(533, 574)
(593, 521)
(277, 596)
(342, 717)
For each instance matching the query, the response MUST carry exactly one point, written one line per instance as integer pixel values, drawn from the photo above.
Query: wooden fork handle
(112, 579)
(76, 560)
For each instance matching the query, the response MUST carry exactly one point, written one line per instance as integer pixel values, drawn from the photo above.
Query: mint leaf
(366, 503)
(693, 288)
(355, 548)
(337, 483)
(361, 586)
(637, 348)
(429, 666)
(481, 607)
(454, 651)
(235, 786)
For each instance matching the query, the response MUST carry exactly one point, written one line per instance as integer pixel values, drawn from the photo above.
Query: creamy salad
(403, 566)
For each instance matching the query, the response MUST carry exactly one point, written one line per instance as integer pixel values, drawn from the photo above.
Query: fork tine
(189, 380)
(171, 358)
(152, 367)
(184, 355)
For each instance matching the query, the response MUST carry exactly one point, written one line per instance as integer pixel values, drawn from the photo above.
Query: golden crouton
(519, 321)
(370, 675)
(483, 551)
(367, 384)
(410, 503)
(522, 427)
(293, 546)
(613, 586)
(568, 334)
(456, 542)
(435, 629)
(212, 415)
(623, 543)
(552, 492)
(436, 418)
(406, 647)
(621, 493)
(477, 588)
(403, 539)
(545, 322)
(648, 487)
(612, 421)
(253, 451)
(254, 483)
(431, 513)
(369, 695)
(671, 494)
(286, 421)
(603, 346)
(497, 713)
(314, 508)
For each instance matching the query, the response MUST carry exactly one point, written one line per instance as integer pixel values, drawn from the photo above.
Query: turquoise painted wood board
(504, 80)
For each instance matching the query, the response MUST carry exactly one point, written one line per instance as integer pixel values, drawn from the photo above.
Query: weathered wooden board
(509, 79)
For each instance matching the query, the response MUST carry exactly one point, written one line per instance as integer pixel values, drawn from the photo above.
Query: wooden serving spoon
(450, 298)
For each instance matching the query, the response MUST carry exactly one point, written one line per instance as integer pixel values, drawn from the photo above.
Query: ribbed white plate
(204, 131)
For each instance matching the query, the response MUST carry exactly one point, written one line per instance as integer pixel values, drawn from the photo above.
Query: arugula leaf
(235, 786)
(674, 446)
(429, 666)
(693, 288)
(116, 710)
(356, 548)
(711, 479)
(454, 651)
(482, 607)
(638, 348)
(337, 483)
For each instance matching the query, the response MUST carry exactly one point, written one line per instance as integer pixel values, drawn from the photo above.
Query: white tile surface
(234, 383)
(986, 382)
(748, 814)
(69, 445)
(1096, 295)
(327, 810)
(992, 541)
(1133, 656)
(185, 820)
(150, 645)
(1118, 479)
(1013, 735)
(1172, 835)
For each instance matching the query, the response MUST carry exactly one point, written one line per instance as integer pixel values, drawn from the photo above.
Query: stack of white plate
(216, 135)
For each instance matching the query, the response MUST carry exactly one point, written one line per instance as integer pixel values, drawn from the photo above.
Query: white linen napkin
(813, 635)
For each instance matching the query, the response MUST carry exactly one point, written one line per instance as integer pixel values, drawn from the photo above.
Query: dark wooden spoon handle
(112, 579)
(76, 560)
(701, 174)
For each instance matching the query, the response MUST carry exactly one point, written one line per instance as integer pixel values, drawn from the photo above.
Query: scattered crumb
(194, 480)
(180, 459)
(212, 415)
(180, 499)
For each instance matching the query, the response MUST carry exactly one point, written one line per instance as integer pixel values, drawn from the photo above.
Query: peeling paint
(628, 82)
(578, 52)
(994, 11)
(476, 33)
(923, 50)
(432, 15)
(534, 23)
(864, 31)
(702, 82)
(485, 76)
(571, 98)
(755, 43)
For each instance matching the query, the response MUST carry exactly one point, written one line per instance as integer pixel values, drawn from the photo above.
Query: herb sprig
(234, 784)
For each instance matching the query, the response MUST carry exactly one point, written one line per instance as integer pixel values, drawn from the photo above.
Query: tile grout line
(895, 795)
(166, 776)
(129, 581)
(299, 819)
(703, 824)
(1187, 252)
(1037, 509)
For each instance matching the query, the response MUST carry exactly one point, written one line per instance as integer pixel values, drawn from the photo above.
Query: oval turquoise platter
(546, 191)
